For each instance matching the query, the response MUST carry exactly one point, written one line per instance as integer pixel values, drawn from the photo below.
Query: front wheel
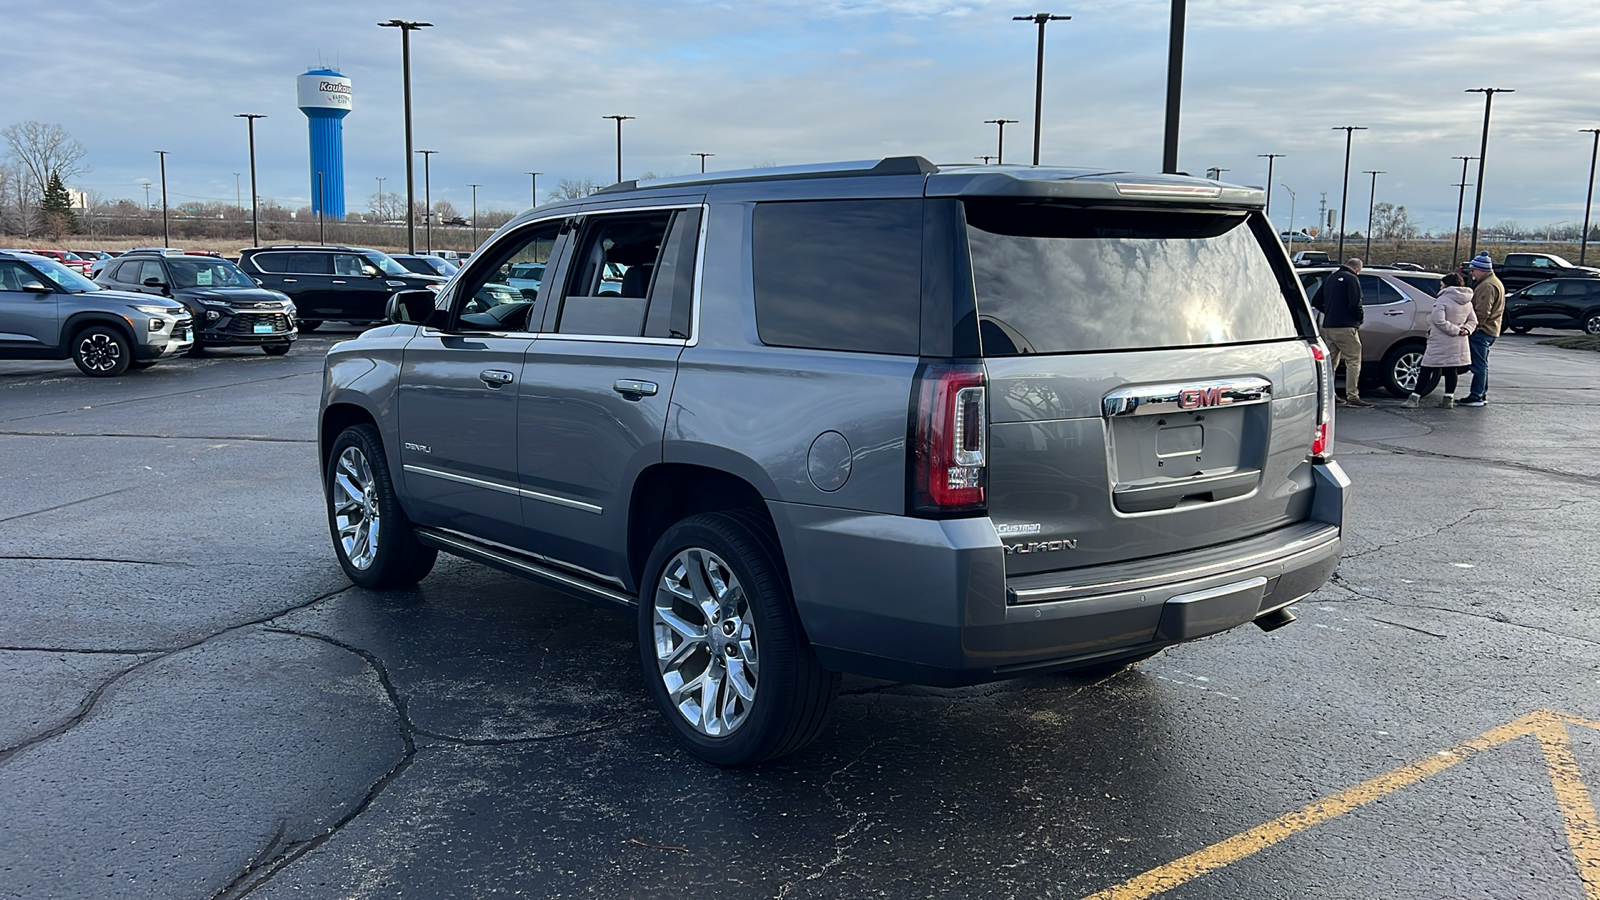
(1521, 329)
(310, 325)
(101, 351)
(371, 535)
(275, 349)
(1591, 323)
(1402, 371)
(724, 656)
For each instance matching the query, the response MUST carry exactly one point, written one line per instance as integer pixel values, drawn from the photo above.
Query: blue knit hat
(1482, 262)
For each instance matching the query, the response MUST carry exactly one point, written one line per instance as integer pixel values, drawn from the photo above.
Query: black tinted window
(1059, 279)
(1376, 292)
(839, 275)
(1577, 288)
(1430, 285)
(295, 263)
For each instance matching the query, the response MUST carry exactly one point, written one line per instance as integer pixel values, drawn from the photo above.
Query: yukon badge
(1041, 546)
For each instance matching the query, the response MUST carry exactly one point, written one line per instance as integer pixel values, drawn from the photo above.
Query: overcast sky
(502, 88)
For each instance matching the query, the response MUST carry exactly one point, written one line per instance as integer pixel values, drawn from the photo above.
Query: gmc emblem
(1199, 398)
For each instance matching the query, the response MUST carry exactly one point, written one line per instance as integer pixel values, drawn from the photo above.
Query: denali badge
(420, 448)
(1042, 546)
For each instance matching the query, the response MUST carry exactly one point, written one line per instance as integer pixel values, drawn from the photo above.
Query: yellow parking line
(1583, 828)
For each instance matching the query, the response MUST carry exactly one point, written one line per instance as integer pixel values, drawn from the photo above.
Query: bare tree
(444, 211)
(572, 189)
(43, 150)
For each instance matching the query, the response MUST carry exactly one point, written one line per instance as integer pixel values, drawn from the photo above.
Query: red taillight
(1322, 431)
(949, 439)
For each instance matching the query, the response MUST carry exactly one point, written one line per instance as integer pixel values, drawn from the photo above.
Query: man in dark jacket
(1339, 298)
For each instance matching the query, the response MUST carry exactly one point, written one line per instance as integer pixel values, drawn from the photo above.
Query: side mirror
(371, 271)
(411, 307)
(154, 282)
(37, 287)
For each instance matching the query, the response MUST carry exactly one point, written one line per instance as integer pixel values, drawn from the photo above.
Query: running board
(508, 560)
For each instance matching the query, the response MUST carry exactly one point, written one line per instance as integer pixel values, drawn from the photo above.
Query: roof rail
(892, 165)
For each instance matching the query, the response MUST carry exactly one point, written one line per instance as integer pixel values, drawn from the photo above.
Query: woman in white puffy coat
(1448, 353)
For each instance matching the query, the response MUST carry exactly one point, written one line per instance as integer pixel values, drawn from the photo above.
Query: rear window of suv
(1051, 278)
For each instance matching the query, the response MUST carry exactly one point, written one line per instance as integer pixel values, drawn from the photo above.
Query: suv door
(458, 398)
(1390, 316)
(29, 320)
(305, 275)
(358, 288)
(596, 385)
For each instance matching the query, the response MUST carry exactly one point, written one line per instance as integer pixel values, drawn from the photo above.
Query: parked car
(65, 257)
(93, 256)
(1397, 305)
(1518, 270)
(229, 309)
(932, 425)
(1295, 237)
(424, 264)
(1312, 258)
(48, 311)
(1558, 303)
(349, 284)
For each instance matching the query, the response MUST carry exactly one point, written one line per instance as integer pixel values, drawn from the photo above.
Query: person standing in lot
(1489, 302)
(1339, 298)
(1453, 319)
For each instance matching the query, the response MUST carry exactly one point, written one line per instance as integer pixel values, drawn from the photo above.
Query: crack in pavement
(1586, 480)
(138, 651)
(201, 390)
(89, 703)
(65, 505)
(839, 852)
(1467, 515)
(1497, 618)
(100, 559)
(254, 438)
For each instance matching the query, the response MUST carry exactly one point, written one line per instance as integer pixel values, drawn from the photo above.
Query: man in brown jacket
(1489, 302)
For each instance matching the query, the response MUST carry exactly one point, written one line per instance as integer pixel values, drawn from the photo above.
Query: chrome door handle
(290, 280)
(338, 281)
(1395, 313)
(495, 377)
(630, 388)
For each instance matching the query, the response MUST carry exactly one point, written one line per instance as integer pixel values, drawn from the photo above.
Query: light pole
(1461, 199)
(474, 214)
(1483, 151)
(321, 201)
(1041, 19)
(1270, 158)
(702, 160)
(166, 237)
(238, 196)
(984, 158)
(427, 198)
(1169, 151)
(255, 217)
(1215, 173)
(533, 189)
(1000, 149)
(381, 216)
(620, 120)
(405, 76)
(1292, 199)
(1344, 198)
(1588, 198)
(1371, 199)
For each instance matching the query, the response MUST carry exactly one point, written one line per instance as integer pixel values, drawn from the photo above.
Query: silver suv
(48, 311)
(1397, 303)
(937, 425)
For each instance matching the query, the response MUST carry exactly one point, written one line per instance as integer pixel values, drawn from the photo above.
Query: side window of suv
(349, 264)
(1376, 292)
(150, 269)
(286, 263)
(502, 289)
(612, 273)
(839, 275)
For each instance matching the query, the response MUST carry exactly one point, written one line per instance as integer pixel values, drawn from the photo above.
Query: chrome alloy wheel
(1408, 369)
(705, 641)
(99, 351)
(355, 508)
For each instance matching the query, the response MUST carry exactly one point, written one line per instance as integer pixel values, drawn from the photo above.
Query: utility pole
(1588, 198)
(1461, 199)
(1041, 19)
(321, 201)
(405, 75)
(1000, 150)
(533, 189)
(255, 198)
(702, 160)
(620, 120)
(1270, 158)
(381, 217)
(1322, 214)
(1292, 199)
(1169, 152)
(427, 197)
(1366, 254)
(984, 158)
(166, 236)
(1483, 151)
(238, 196)
(474, 215)
(1344, 198)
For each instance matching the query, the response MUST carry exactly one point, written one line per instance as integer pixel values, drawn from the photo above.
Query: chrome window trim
(504, 488)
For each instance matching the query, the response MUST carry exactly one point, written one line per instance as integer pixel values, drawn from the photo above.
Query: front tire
(101, 351)
(275, 349)
(724, 657)
(1591, 323)
(1521, 329)
(372, 537)
(1402, 371)
(311, 325)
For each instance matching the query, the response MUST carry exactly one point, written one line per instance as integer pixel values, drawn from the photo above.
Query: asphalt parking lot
(198, 704)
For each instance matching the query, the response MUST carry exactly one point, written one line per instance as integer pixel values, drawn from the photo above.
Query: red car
(66, 258)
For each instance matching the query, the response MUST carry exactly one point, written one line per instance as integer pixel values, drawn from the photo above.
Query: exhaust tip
(1276, 619)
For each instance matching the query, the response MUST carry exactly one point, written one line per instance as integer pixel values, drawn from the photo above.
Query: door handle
(633, 389)
(290, 280)
(495, 377)
(1395, 313)
(338, 281)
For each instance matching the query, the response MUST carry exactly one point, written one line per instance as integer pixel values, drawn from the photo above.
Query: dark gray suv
(937, 425)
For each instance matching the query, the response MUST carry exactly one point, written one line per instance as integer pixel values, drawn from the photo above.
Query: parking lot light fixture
(1461, 199)
(620, 120)
(702, 160)
(1270, 158)
(1292, 199)
(984, 158)
(255, 219)
(1344, 197)
(533, 188)
(1588, 198)
(474, 215)
(1000, 149)
(166, 236)
(1169, 149)
(1366, 254)
(405, 77)
(1483, 151)
(1041, 19)
(427, 198)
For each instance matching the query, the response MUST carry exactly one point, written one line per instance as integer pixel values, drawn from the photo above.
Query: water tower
(325, 99)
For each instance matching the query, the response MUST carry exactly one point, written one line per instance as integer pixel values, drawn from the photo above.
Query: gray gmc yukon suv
(937, 425)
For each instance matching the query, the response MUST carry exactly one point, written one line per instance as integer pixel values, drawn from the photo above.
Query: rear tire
(1591, 322)
(311, 325)
(101, 351)
(372, 537)
(1521, 329)
(724, 656)
(275, 349)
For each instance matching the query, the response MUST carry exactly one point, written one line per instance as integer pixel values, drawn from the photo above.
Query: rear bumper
(928, 601)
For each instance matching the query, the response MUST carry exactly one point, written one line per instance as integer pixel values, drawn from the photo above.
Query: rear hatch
(1152, 387)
